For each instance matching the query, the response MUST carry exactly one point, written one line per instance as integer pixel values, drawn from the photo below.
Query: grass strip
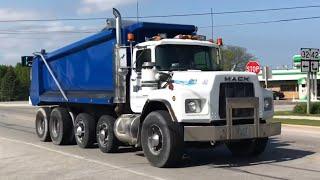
(290, 113)
(305, 122)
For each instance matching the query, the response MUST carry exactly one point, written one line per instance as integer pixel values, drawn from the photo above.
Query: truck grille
(235, 89)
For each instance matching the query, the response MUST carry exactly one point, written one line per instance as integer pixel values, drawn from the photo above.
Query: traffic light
(26, 61)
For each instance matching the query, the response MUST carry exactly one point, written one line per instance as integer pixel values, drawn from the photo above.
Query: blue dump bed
(85, 69)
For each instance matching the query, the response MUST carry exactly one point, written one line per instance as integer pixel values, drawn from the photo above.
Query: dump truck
(154, 86)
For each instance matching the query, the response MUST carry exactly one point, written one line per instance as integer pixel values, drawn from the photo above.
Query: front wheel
(248, 147)
(162, 139)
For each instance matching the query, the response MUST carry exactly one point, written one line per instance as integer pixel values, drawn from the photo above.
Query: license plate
(244, 131)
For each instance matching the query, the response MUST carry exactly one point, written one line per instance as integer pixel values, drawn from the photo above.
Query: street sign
(309, 66)
(26, 61)
(253, 66)
(305, 66)
(314, 66)
(309, 53)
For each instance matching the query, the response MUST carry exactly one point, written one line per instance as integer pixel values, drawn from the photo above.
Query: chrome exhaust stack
(118, 18)
(120, 63)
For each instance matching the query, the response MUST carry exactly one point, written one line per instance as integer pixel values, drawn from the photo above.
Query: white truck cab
(179, 93)
(196, 80)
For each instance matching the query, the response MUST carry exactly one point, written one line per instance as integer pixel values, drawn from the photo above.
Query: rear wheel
(84, 130)
(107, 141)
(60, 127)
(162, 139)
(42, 124)
(248, 147)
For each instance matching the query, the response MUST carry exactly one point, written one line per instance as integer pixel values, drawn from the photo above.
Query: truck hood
(201, 79)
(206, 86)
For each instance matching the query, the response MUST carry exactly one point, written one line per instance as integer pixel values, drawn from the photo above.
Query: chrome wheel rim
(80, 130)
(155, 139)
(55, 127)
(103, 132)
(41, 126)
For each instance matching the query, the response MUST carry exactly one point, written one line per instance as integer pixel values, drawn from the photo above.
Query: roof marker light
(219, 42)
(130, 37)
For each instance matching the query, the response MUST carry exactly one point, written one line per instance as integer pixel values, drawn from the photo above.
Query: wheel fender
(152, 105)
(157, 104)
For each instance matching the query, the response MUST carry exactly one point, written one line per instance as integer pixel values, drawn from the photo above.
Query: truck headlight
(267, 103)
(193, 105)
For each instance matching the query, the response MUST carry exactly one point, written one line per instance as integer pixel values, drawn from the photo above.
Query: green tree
(235, 57)
(9, 86)
(23, 76)
(3, 70)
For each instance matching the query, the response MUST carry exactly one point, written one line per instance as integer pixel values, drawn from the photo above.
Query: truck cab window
(186, 57)
(141, 57)
(201, 60)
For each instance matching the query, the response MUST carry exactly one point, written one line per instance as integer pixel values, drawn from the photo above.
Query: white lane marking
(83, 158)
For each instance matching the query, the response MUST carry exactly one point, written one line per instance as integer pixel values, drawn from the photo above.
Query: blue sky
(273, 44)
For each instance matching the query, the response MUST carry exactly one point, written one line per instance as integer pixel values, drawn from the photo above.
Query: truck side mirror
(26, 61)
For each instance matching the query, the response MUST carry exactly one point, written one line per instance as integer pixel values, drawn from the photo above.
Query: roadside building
(292, 82)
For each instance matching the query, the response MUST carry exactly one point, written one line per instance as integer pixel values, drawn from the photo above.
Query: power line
(161, 16)
(21, 32)
(54, 19)
(223, 25)
(47, 32)
(228, 12)
(263, 22)
(34, 38)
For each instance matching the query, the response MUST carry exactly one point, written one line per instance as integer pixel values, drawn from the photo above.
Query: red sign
(253, 66)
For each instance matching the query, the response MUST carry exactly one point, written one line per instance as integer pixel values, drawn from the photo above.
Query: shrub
(315, 108)
(300, 108)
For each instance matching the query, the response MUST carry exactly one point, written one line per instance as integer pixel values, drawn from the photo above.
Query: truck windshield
(171, 57)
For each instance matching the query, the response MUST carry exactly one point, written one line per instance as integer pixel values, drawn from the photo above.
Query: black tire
(248, 147)
(60, 127)
(162, 139)
(42, 124)
(106, 139)
(85, 130)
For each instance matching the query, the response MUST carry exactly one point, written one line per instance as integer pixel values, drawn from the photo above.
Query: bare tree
(235, 58)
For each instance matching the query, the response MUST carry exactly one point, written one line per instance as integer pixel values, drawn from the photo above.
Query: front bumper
(220, 133)
(230, 131)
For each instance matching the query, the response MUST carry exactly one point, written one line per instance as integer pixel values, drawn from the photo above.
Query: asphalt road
(293, 155)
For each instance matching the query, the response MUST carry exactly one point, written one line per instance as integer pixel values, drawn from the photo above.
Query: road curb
(300, 126)
(314, 118)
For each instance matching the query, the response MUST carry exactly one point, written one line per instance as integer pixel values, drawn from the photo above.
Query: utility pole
(137, 11)
(211, 23)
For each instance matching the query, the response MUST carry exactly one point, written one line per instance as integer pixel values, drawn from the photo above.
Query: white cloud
(11, 14)
(90, 6)
(20, 43)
